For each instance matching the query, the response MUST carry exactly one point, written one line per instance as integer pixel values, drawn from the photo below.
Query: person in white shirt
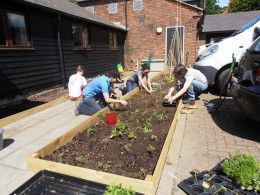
(193, 81)
(76, 84)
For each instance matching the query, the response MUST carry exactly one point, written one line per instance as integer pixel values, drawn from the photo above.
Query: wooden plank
(10, 119)
(160, 164)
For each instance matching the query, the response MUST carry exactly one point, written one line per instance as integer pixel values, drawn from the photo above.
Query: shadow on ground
(8, 142)
(22, 106)
(230, 119)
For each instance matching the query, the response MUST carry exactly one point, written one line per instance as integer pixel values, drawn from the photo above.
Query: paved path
(201, 140)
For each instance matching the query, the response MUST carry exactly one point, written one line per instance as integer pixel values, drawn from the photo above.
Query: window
(112, 8)
(113, 40)
(80, 34)
(13, 30)
(137, 5)
(90, 9)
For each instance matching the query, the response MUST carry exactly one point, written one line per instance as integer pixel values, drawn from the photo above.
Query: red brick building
(145, 19)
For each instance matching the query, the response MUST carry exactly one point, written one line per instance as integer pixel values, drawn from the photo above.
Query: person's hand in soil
(170, 100)
(123, 102)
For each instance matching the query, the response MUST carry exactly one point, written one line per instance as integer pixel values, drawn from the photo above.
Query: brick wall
(142, 37)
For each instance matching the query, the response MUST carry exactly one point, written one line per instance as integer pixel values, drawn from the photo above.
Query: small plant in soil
(104, 166)
(61, 154)
(132, 136)
(168, 79)
(127, 147)
(161, 117)
(117, 189)
(154, 138)
(89, 132)
(151, 149)
(244, 169)
(80, 159)
(143, 171)
(120, 125)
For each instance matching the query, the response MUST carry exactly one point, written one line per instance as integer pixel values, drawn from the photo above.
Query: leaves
(244, 169)
(117, 189)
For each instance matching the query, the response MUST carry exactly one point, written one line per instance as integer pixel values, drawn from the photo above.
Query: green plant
(115, 133)
(90, 132)
(80, 159)
(61, 154)
(244, 169)
(117, 189)
(120, 125)
(142, 171)
(168, 80)
(151, 148)
(161, 117)
(132, 136)
(127, 147)
(104, 166)
(154, 138)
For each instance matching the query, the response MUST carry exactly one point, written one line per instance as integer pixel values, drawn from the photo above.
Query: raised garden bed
(94, 151)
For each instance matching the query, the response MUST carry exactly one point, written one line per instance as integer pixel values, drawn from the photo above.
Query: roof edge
(201, 9)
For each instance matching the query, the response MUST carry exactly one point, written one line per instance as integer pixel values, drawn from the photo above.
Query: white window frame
(112, 8)
(90, 9)
(137, 5)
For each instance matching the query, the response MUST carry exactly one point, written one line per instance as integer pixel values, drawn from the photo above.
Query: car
(215, 60)
(245, 82)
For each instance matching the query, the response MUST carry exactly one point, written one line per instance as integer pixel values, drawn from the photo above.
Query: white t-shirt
(193, 74)
(76, 82)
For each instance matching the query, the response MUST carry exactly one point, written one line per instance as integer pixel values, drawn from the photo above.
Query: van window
(246, 26)
(256, 45)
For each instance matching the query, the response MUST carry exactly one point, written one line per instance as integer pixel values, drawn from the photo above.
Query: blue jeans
(130, 85)
(196, 86)
(89, 106)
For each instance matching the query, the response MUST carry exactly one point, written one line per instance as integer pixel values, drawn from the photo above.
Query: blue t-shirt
(96, 87)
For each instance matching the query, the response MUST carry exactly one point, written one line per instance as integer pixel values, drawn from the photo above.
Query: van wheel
(221, 81)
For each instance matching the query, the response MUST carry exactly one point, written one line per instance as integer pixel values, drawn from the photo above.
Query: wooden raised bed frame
(147, 186)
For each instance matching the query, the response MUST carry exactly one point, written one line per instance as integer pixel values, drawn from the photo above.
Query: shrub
(244, 169)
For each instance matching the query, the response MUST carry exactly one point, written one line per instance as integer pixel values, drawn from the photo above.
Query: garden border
(147, 186)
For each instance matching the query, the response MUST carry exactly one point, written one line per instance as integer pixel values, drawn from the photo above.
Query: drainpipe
(125, 14)
(63, 75)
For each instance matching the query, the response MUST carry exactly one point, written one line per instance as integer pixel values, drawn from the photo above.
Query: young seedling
(143, 171)
(81, 159)
(89, 132)
(114, 189)
(127, 147)
(132, 136)
(104, 166)
(61, 154)
(154, 138)
(161, 117)
(151, 149)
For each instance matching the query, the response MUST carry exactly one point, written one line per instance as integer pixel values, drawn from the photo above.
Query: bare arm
(182, 91)
(171, 90)
(110, 100)
(143, 85)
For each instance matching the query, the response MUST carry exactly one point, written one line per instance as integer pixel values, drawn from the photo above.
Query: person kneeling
(98, 90)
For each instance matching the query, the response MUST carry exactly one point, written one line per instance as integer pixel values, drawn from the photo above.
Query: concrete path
(201, 140)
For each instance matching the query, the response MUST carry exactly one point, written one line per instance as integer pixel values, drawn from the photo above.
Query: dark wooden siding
(25, 71)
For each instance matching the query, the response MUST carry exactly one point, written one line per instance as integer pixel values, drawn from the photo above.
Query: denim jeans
(89, 106)
(196, 86)
(130, 85)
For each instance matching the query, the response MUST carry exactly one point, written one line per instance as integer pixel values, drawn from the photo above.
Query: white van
(214, 62)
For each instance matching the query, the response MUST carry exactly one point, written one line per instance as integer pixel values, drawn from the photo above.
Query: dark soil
(33, 101)
(94, 149)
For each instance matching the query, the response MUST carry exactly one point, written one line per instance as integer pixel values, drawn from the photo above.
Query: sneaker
(186, 111)
(188, 101)
(76, 113)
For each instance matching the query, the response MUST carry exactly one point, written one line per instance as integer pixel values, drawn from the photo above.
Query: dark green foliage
(117, 189)
(211, 7)
(243, 6)
(244, 169)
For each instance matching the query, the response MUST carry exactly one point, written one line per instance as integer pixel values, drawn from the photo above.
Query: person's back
(76, 83)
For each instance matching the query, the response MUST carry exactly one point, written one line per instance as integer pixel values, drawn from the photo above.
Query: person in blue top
(96, 94)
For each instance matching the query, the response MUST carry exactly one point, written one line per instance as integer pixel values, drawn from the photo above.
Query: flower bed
(132, 152)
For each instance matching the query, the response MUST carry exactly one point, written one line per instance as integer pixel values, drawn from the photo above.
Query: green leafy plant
(168, 80)
(154, 138)
(142, 171)
(90, 132)
(127, 147)
(104, 166)
(244, 169)
(162, 117)
(81, 159)
(117, 189)
(132, 136)
(61, 154)
(115, 133)
(151, 149)
(120, 125)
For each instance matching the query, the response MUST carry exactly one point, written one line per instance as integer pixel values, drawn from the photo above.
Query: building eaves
(227, 22)
(67, 8)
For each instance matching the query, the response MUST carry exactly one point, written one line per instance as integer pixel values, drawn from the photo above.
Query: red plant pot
(111, 118)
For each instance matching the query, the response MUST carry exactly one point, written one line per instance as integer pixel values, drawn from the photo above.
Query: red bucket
(111, 118)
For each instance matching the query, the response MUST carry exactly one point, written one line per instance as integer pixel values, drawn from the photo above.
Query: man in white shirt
(193, 81)
(76, 84)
